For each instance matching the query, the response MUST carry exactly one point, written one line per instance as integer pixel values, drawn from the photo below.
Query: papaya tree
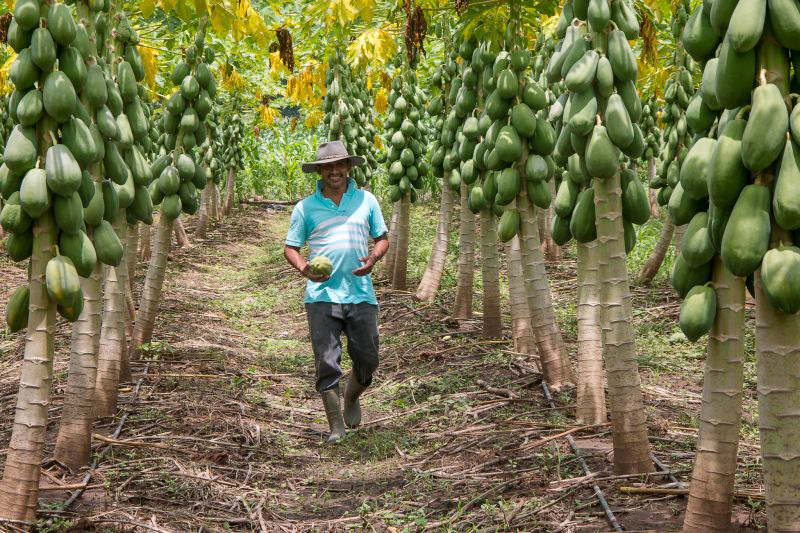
(750, 180)
(179, 175)
(683, 114)
(210, 166)
(438, 109)
(53, 156)
(233, 156)
(405, 138)
(599, 70)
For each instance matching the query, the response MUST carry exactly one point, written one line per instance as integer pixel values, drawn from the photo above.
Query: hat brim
(313, 166)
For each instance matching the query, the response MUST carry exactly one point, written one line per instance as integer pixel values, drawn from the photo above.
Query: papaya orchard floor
(226, 432)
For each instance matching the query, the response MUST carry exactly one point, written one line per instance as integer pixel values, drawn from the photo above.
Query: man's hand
(369, 262)
(319, 278)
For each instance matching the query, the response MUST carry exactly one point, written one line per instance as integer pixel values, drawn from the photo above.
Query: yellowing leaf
(150, 65)
(374, 46)
(147, 7)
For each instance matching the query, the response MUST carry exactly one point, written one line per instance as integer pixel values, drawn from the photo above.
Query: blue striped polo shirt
(340, 233)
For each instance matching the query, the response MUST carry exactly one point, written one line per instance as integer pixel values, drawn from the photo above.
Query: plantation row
(537, 138)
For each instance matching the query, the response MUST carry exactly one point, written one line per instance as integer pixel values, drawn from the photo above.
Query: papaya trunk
(144, 248)
(550, 345)
(466, 258)
(131, 248)
(112, 334)
(777, 360)
(73, 445)
(205, 207)
(651, 193)
(490, 276)
(711, 490)
(153, 283)
(678, 237)
(522, 330)
(180, 234)
(653, 264)
(19, 489)
(215, 202)
(391, 255)
(591, 397)
(230, 188)
(628, 419)
(429, 285)
(399, 277)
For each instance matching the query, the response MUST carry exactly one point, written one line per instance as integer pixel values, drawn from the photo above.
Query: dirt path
(226, 431)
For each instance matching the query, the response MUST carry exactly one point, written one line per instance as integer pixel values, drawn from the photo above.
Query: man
(337, 221)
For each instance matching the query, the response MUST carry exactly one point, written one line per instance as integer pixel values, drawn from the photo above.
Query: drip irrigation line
(77, 494)
(612, 520)
(663, 467)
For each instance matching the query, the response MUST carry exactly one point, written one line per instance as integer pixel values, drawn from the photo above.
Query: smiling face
(334, 175)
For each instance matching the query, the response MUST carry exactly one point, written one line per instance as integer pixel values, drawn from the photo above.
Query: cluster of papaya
(81, 122)
(6, 122)
(232, 156)
(180, 173)
(597, 115)
(347, 115)
(438, 109)
(742, 194)
(685, 118)
(405, 137)
(650, 129)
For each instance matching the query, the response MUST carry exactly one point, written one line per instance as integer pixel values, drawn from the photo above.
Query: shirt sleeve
(377, 226)
(297, 234)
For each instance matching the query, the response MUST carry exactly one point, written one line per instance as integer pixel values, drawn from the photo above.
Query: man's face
(335, 174)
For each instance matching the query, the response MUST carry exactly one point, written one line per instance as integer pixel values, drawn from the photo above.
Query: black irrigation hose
(612, 520)
(77, 494)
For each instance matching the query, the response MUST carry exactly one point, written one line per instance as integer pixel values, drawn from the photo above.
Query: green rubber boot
(352, 408)
(333, 410)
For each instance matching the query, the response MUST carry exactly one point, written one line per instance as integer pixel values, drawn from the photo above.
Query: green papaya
(694, 170)
(637, 146)
(34, 193)
(61, 24)
(24, 73)
(794, 122)
(13, 217)
(508, 145)
(635, 203)
(560, 230)
(59, 96)
(630, 96)
(9, 182)
(684, 277)
(107, 124)
(582, 223)
(784, 18)
(708, 85)
(17, 309)
(107, 245)
(747, 24)
(94, 87)
(476, 200)
(43, 49)
(180, 71)
(508, 225)
(80, 250)
(138, 166)
(133, 58)
(94, 211)
(623, 62)
(720, 15)
(763, 138)
(717, 220)
(604, 77)
(77, 136)
(618, 122)
(110, 202)
(682, 207)
(785, 200)
(61, 280)
(629, 235)
(582, 112)
(746, 236)
(114, 102)
(699, 116)
(727, 174)
(496, 106)
(508, 183)
(30, 107)
(169, 181)
(68, 212)
(698, 310)
(602, 158)
(523, 120)
(19, 246)
(142, 206)
(536, 168)
(539, 194)
(185, 166)
(533, 96)
(21, 149)
(598, 14)
(62, 171)
(115, 167)
(27, 13)
(126, 81)
(624, 17)
(190, 88)
(734, 75)
(582, 74)
(72, 64)
(125, 192)
(566, 197)
(780, 276)
(697, 247)
(171, 206)
(125, 140)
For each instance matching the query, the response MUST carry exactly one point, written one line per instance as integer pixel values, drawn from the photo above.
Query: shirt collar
(351, 187)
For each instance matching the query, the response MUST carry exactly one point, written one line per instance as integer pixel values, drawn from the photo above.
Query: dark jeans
(326, 322)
